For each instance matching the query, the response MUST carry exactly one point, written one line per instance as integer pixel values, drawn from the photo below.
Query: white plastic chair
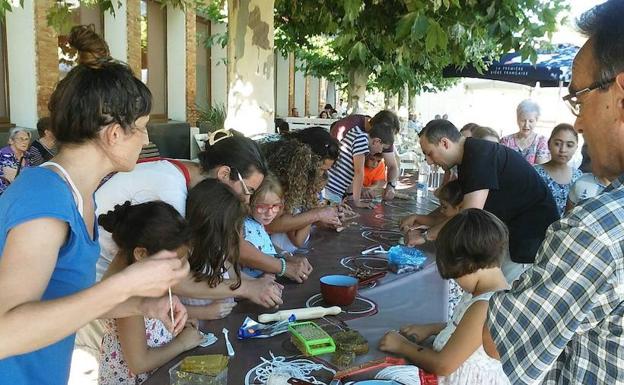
(408, 161)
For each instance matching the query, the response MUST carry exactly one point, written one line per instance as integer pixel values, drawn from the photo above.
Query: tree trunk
(412, 103)
(358, 77)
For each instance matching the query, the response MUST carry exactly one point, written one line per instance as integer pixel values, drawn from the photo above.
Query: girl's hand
(415, 237)
(407, 223)
(190, 337)
(264, 291)
(392, 342)
(159, 308)
(298, 269)
(219, 309)
(415, 333)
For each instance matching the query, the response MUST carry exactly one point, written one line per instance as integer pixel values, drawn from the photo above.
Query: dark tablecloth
(420, 297)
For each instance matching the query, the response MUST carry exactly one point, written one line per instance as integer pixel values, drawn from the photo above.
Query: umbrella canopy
(552, 69)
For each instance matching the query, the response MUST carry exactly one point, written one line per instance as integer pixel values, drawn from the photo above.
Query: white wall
(116, 31)
(281, 84)
(218, 68)
(176, 64)
(20, 26)
(314, 96)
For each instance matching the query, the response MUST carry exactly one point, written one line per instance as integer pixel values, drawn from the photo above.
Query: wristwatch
(391, 184)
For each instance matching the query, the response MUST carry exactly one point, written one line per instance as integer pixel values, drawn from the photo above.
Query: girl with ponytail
(134, 346)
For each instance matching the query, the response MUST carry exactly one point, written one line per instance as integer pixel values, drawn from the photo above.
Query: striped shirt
(341, 175)
(561, 322)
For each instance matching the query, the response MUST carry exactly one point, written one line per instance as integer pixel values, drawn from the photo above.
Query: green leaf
(352, 9)
(405, 25)
(420, 26)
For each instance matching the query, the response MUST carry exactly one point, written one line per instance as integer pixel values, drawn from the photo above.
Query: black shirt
(517, 195)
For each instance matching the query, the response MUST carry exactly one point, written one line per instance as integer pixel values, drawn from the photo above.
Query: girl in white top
(469, 249)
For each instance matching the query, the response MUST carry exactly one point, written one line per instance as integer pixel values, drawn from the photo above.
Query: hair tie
(224, 132)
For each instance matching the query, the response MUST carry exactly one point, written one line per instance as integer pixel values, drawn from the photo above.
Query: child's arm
(463, 343)
(140, 357)
(216, 310)
(418, 333)
(429, 220)
(297, 268)
(358, 179)
(298, 237)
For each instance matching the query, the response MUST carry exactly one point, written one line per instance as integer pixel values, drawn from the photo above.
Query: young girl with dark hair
(215, 243)
(134, 346)
(469, 249)
(49, 247)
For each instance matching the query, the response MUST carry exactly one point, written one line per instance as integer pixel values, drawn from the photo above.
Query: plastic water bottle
(423, 178)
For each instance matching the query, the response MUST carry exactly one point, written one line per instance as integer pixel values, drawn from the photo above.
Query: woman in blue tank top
(48, 232)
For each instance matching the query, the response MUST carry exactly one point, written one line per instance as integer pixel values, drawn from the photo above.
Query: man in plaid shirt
(562, 322)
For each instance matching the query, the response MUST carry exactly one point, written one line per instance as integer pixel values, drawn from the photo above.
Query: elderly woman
(532, 146)
(14, 157)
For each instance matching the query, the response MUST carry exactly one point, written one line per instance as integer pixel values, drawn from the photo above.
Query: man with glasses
(562, 321)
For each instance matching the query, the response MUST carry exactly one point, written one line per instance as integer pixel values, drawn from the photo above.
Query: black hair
(386, 118)
(603, 25)
(215, 215)
(320, 141)
(43, 124)
(384, 131)
(563, 127)
(281, 126)
(237, 152)
(153, 225)
(451, 192)
(98, 92)
(437, 129)
(473, 239)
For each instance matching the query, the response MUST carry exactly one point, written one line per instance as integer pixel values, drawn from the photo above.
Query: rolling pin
(301, 313)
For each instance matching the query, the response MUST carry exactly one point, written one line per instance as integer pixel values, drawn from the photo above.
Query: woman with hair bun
(49, 246)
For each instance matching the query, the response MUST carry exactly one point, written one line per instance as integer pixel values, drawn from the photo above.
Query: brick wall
(46, 56)
(191, 63)
(134, 35)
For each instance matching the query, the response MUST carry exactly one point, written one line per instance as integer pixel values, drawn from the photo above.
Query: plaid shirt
(562, 321)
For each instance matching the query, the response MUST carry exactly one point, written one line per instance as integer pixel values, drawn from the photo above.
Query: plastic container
(178, 377)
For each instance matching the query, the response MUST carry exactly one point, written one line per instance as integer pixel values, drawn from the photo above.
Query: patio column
(251, 60)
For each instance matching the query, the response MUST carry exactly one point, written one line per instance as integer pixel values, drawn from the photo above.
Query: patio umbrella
(552, 69)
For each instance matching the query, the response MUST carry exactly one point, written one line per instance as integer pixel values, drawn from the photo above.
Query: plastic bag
(403, 259)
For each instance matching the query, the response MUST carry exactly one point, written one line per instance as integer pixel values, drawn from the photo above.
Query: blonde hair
(269, 184)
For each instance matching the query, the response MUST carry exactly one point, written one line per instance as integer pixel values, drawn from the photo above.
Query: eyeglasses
(572, 99)
(246, 190)
(263, 209)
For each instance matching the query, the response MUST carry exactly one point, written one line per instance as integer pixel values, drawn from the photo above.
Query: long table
(419, 297)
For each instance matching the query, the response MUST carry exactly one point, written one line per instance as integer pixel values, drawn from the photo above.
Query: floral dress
(559, 191)
(8, 159)
(479, 368)
(539, 147)
(113, 368)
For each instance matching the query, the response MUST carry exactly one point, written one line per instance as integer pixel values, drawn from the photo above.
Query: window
(202, 68)
(154, 55)
(80, 15)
